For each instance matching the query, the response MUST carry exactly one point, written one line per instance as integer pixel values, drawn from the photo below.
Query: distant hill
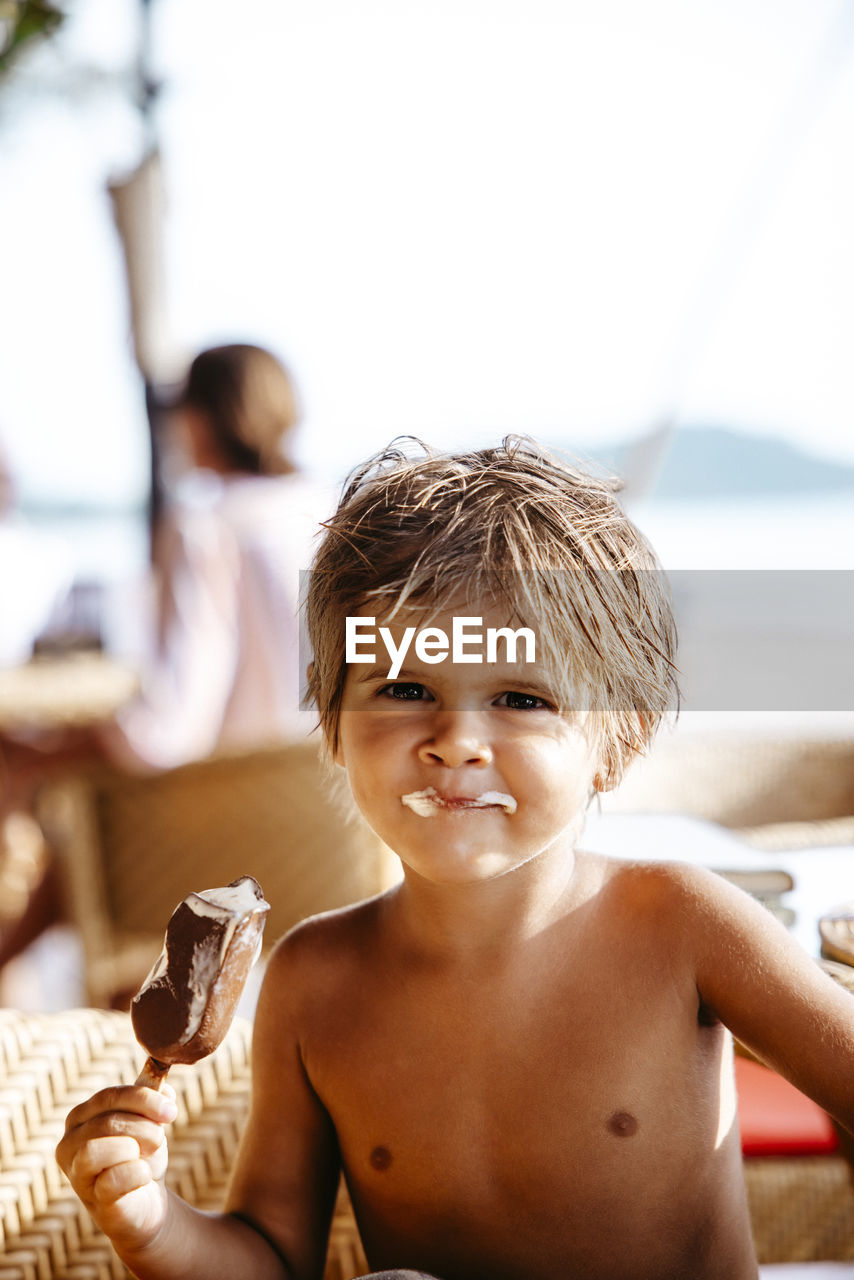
(717, 462)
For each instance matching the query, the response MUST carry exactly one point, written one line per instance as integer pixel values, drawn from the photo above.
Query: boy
(519, 1055)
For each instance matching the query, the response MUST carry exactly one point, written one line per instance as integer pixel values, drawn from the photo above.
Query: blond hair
(519, 525)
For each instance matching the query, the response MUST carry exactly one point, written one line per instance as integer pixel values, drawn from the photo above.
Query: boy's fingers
(158, 1161)
(147, 1138)
(133, 1111)
(133, 1099)
(150, 1136)
(118, 1180)
(90, 1160)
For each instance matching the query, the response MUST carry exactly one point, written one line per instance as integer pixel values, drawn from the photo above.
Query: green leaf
(21, 22)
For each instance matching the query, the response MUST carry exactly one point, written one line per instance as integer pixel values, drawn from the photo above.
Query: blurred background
(623, 229)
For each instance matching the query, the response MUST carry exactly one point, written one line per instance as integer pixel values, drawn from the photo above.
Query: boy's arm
(770, 993)
(286, 1177)
(284, 1184)
(114, 1153)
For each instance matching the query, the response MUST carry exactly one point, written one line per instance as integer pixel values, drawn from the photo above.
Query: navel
(381, 1158)
(622, 1124)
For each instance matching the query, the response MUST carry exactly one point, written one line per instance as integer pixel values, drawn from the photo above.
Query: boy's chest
(495, 1092)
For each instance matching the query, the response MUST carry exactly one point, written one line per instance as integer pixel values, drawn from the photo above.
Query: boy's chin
(471, 870)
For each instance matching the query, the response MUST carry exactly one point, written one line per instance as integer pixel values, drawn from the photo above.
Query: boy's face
(465, 769)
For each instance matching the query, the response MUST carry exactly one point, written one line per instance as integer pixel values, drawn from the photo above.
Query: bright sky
(454, 219)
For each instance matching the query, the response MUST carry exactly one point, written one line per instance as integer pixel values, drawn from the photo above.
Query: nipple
(622, 1124)
(381, 1158)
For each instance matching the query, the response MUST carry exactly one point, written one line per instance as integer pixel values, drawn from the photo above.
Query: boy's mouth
(428, 802)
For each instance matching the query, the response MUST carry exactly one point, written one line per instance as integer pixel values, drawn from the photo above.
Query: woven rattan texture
(802, 1209)
(133, 847)
(742, 780)
(783, 836)
(48, 1064)
(246, 815)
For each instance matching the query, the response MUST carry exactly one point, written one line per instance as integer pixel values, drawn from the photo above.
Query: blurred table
(71, 691)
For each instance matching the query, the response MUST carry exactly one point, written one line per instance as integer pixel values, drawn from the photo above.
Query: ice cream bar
(187, 1002)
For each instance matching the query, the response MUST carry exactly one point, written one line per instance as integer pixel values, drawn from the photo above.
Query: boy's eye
(404, 691)
(517, 701)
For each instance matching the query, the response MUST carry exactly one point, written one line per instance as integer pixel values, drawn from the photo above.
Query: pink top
(226, 672)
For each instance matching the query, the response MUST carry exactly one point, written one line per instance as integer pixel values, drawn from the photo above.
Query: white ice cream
(428, 802)
(231, 904)
(238, 898)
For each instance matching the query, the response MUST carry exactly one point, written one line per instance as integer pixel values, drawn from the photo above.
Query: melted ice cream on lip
(428, 802)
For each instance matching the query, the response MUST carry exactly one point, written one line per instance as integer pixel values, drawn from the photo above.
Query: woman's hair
(250, 404)
(518, 526)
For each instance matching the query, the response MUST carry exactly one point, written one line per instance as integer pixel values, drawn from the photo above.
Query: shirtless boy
(521, 1055)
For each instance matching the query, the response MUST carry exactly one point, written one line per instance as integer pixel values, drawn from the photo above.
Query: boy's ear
(607, 774)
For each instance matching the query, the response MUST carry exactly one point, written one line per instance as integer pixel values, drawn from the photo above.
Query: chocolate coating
(187, 1004)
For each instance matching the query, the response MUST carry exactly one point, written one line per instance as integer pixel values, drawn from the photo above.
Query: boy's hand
(114, 1154)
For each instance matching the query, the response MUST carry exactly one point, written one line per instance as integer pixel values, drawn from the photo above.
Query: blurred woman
(220, 665)
(222, 668)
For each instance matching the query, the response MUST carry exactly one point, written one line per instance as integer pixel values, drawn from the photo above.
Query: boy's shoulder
(326, 945)
(654, 880)
(669, 896)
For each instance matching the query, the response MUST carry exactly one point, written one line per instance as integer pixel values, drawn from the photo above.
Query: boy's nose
(455, 740)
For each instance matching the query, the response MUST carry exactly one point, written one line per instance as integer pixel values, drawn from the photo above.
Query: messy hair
(519, 525)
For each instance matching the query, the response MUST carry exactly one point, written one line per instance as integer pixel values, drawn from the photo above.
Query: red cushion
(775, 1118)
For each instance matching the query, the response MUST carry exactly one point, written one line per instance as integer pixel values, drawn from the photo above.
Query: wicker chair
(132, 847)
(49, 1063)
(750, 781)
